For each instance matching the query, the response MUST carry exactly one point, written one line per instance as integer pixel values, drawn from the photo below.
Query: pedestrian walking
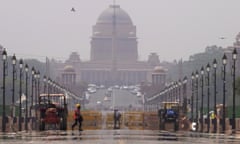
(77, 118)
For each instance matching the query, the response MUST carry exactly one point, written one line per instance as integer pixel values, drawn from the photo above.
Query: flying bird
(222, 38)
(73, 9)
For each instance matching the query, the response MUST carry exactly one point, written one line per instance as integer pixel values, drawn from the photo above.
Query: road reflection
(114, 136)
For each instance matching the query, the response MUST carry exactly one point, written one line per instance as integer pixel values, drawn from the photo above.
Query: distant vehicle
(134, 91)
(87, 95)
(139, 94)
(110, 89)
(92, 90)
(125, 87)
(99, 102)
(102, 87)
(92, 85)
(116, 87)
(106, 98)
(52, 111)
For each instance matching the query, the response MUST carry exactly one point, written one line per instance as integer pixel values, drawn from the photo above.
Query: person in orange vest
(77, 117)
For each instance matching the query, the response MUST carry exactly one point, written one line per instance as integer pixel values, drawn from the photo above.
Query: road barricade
(109, 121)
(134, 120)
(151, 121)
(91, 120)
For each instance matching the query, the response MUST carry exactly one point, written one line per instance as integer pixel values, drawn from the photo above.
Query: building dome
(107, 16)
(68, 69)
(159, 69)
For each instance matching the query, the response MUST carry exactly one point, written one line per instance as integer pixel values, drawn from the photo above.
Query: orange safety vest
(76, 114)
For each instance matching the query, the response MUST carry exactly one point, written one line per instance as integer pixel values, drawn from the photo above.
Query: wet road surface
(115, 137)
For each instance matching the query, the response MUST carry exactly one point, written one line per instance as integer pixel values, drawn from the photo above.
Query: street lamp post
(26, 93)
(176, 91)
(36, 92)
(48, 86)
(224, 61)
(20, 96)
(4, 57)
(234, 58)
(215, 95)
(32, 92)
(179, 91)
(208, 95)
(196, 75)
(44, 86)
(192, 97)
(38, 87)
(201, 114)
(13, 86)
(185, 95)
(36, 76)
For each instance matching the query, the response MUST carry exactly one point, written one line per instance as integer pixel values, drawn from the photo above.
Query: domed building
(114, 36)
(159, 76)
(114, 53)
(68, 76)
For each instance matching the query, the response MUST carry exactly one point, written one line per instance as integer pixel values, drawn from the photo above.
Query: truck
(52, 112)
(169, 116)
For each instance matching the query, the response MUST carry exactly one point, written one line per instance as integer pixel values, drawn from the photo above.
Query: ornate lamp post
(224, 61)
(201, 115)
(32, 92)
(38, 87)
(44, 86)
(175, 91)
(35, 96)
(20, 96)
(13, 86)
(36, 77)
(197, 75)
(215, 95)
(179, 91)
(185, 95)
(208, 95)
(49, 83)
(234, 58)
(4, 58)
(192, 97)
(26, 93)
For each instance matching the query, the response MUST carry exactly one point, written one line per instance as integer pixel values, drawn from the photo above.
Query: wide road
(120, 99)
(115, 137)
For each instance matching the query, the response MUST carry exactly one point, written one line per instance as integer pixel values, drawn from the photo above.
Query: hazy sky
(173, 28)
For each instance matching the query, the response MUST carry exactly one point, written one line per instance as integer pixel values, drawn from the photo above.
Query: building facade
(114, 54)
